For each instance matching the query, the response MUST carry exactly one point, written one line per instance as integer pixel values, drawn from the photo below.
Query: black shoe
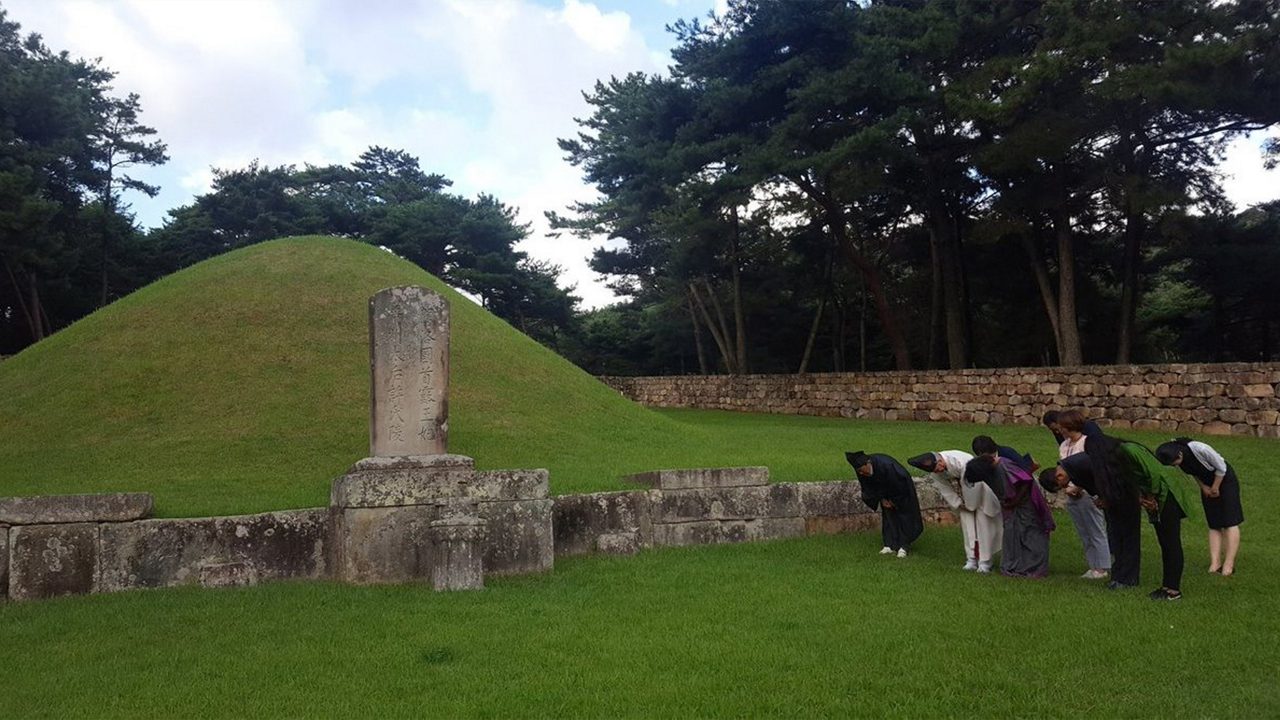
(1116, 585)
(1158, 594)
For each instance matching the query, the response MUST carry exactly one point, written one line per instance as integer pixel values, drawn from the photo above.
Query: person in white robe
(978, 506)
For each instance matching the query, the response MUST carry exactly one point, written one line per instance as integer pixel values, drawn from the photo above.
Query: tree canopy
(916, 170)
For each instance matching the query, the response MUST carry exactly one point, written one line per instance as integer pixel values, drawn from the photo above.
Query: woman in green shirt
(1166, 497)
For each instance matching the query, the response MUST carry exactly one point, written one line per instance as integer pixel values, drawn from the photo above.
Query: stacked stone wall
(1203, 399)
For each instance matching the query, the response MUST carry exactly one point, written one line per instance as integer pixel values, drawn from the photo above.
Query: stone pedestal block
(518, 537)
(409, 363)
(457, 561)
(385, 545)
(50, 509)
(407, 480)
(702, 478)
(52, 560)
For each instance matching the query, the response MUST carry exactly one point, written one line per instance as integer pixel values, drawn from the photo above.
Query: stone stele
(409, 363)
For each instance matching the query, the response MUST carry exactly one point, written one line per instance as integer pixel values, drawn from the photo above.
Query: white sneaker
(970, 564)
(1092, 574)
(984, 567)
(886, 550)
(902, 553)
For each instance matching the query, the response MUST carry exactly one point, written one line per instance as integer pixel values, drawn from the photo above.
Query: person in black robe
(887, 486)
(1118, 497)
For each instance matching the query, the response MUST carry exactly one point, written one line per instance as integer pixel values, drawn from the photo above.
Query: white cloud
(1245, 180)
(603, 32)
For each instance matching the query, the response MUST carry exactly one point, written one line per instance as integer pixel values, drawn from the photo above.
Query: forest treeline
(835, 185)
(69, 244)
(814, 186)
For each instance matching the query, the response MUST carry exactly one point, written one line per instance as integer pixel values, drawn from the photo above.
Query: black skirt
(1224, 511)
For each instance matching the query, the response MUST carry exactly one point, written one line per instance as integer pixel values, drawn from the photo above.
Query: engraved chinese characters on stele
(409, 364)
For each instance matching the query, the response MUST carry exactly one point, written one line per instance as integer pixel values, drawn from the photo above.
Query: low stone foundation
(76, 545)
(722, 505)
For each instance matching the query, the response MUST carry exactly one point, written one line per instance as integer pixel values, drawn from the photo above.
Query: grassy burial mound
(242, 384)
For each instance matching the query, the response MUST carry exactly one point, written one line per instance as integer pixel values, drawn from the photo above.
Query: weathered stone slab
(409, 361)
(841, 524)
(702, 478)
(392, 482)
(928, 495)
(830, 498)
(712, 532)
(618, 543)
(50, 509)
(234, 574)
(383, 545)
(519, 537)
(51, 560)
(489, 485)
(4, 562)
(168, 552)
(457, 555)
(727, 503)
(579, 520)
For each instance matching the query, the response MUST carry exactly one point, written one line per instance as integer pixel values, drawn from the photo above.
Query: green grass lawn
(814, 627)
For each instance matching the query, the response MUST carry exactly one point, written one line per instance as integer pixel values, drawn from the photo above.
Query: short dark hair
(1168, 452)
(984, 445)
(1073, 420)
(1050, 417)
(1049, 479)
(979, 470)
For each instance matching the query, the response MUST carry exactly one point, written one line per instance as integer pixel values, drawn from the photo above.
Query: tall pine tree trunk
(954, 304)
(718, 333)
(29, 314)
(1133, 232)
(41, 324)
(835, 219)
(813, 334)
(739, 318)
(1068, 327)
(697, 336)
(936, 326)
(1047, 298)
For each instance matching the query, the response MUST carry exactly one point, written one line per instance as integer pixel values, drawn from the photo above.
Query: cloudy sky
(479, 90)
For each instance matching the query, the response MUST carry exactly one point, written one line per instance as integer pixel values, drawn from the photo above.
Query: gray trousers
(1092, 529)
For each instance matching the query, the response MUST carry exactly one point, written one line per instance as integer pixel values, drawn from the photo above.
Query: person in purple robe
(1027, 517)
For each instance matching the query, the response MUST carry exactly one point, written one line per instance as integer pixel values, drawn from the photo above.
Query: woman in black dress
(1219, 493)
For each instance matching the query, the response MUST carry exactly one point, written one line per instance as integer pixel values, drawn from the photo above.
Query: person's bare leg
(1215, 550)
(1233, 544)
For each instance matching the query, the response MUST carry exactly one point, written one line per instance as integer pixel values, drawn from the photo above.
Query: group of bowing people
(1107, 481)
